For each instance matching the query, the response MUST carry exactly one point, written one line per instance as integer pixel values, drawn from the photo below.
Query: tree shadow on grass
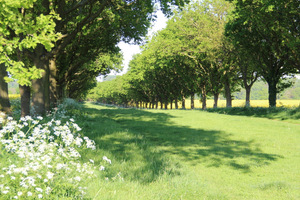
(154, 137)
(278, 113)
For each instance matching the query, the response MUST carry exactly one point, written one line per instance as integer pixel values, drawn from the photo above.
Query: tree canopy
(38, 36)
(214, 47)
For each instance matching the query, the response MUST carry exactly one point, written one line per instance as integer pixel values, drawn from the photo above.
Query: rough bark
(4, 100)
(25, 100)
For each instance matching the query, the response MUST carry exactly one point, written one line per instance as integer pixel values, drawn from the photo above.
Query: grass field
(192, 154)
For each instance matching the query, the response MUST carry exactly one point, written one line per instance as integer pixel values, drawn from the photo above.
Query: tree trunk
(4, 99)
(40, 87)
(183, 102)
(166, 104)
(203, 99)
(192, 100)
(248, 90)
(53, 81)
(216, 97)
(47, 86)
(161, 105)
(25, 100)
(272, 93)
(156, 105)
(176, 103)
(228, 95)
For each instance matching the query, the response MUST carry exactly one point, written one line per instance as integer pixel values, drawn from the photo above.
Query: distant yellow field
(14, 96)
(241, 103)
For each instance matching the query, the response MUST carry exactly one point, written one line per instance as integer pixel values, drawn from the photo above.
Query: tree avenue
(213, 47)
(48, 44)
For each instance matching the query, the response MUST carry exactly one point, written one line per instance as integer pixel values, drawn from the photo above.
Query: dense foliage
(53, 47)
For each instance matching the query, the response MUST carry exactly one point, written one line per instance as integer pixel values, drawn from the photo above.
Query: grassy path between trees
(192, 154)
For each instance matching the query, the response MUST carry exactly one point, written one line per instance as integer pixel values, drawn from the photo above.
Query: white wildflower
(50, 175)
(39, 118)
(39, 189)
(106, 159)
(77, 178)
(48, 190)
(78, 141)
(28, 118)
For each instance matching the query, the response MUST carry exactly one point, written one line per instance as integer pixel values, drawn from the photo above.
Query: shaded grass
(279, 113)
(183, 154)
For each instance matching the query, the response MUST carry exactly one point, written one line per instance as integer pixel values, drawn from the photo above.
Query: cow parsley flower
(106, 159)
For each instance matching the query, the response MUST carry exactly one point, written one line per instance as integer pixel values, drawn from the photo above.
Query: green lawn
(192, 154)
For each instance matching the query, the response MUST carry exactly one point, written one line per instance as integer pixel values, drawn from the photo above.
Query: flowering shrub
(43, 159)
